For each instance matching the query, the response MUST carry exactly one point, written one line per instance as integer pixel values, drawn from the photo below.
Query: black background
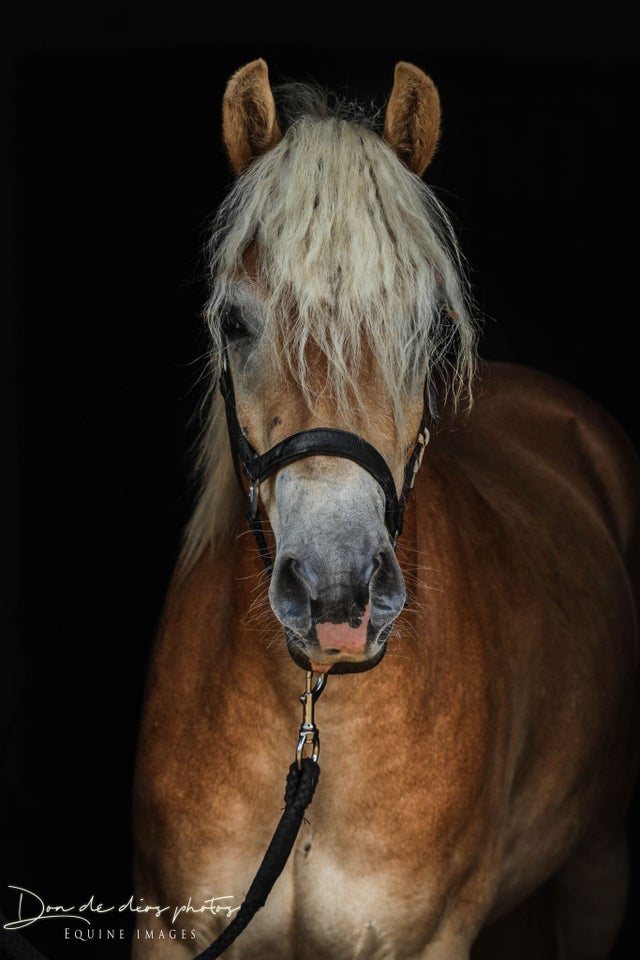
(114, 168)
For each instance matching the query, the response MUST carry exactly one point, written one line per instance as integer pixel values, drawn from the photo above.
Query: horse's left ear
(412, 119)
(249, 122)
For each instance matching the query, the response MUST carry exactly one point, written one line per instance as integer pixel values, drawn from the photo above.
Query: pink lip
(342, 637)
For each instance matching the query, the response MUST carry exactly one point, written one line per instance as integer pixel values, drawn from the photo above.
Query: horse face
(336, 585)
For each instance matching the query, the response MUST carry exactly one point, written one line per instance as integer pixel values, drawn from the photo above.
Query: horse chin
(303, 660)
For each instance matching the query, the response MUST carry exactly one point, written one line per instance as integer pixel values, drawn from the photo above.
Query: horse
(470, 619)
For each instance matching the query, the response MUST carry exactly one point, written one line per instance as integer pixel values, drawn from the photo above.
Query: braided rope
(299, 790)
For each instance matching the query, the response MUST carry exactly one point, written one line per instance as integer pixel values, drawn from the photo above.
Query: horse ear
(249, 122)
(412, 119)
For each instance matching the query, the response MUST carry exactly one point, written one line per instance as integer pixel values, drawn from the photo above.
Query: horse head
(333, 303)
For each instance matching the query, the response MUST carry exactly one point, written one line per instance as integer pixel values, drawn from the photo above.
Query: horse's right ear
(249, 121)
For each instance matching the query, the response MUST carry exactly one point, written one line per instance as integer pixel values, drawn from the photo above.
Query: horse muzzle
(337, 606)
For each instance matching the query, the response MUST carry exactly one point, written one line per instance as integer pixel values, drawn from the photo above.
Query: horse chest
(351, 907)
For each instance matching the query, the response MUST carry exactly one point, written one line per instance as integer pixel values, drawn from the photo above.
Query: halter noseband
(320, 441)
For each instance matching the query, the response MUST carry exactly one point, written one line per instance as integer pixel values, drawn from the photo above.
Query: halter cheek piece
(321, 441)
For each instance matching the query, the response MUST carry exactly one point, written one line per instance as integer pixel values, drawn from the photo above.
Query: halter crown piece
(320, 441)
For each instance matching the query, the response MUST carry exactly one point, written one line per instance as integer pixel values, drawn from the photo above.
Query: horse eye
(233, 325)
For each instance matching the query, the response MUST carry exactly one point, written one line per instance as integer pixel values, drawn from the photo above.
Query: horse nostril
(388, 591)
(289, 592)
(291, 577)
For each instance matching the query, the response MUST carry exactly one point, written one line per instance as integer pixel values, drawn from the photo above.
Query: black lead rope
(299, 790)
(300, 787)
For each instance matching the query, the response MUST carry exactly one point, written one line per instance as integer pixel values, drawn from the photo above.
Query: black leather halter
(321, 441)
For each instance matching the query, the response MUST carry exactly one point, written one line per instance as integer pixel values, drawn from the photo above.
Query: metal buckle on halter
(309, 733)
